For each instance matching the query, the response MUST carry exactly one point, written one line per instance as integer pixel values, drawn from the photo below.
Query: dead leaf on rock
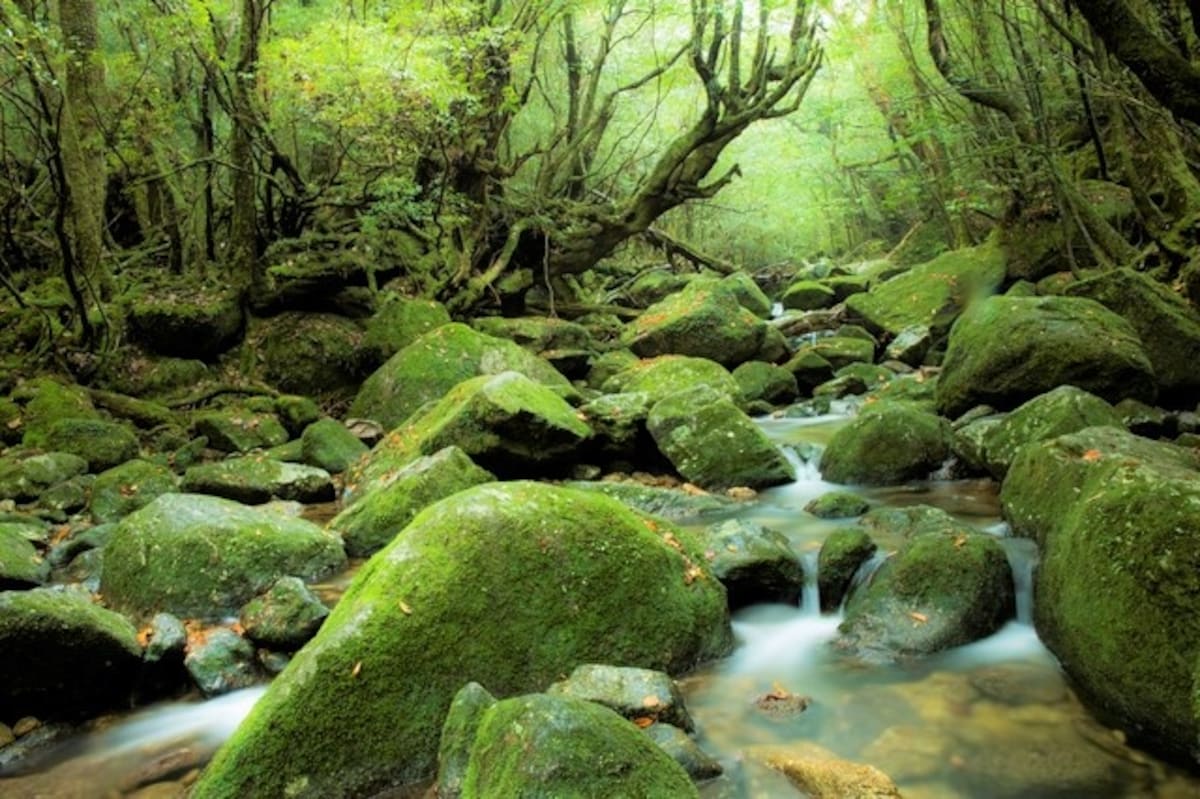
(919, 618)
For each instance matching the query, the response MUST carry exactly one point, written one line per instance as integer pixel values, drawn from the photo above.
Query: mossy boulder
(1064, 410)
(1167, 325)
(312, 353)
(1007, 350)
(809, 368)
(838, 505)
(660, 377)
(187, 321)
(20, 564)
(390, 503)
(542, 746)
(327, 444)
(201, 556)
(400, 321)
(63, 655)
(46, 401)
(808, 295)
(886, 444)
(938, 591)
(1117, 520)
(506, 423)
(856, 378)
(748, 293)
(506, 584)
(840, 351)
(766, 381)
(436, 362)
(222, 661)
(669, 503)
(714, 444)
(619, 425)
(239, 430)
(636, 694)
(25, 477)
(910, 345)
(932, 294)
(754, 563)
(607, 364)
(845, 286)
(538, 334)
(843, 552)
(286, 616)
(654, 285)
(102, 444)
(705, 320)
(254, 479)
(123, 489)
(131, 371)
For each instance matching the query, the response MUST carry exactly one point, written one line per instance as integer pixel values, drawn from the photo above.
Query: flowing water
(992, 720)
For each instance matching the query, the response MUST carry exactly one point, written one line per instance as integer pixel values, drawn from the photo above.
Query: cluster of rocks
(179, 519)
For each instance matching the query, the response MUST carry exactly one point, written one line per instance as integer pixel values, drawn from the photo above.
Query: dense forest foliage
(475, 150)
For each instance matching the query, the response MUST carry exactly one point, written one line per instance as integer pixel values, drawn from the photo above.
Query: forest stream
(991, 719)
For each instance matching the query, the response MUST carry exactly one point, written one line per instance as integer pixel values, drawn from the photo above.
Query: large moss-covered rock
(674, 504)
(1064, 410)
(329, 445)
(557, 747)
(660, 377)
(1117, 519)
(438, 361)
(705, 320)
(102, 444)
(766, 381)
(286, 616)
(843, 552)
(887, 443)
(748, 293)
(1006, 350)
(1167, 325)
(378, 514)
(399, 322)
(634, 693)
(46, 402)
(932, 294)
(312, 353)
(123, 489)
(200, 556)
(63, 655)
(840, 351)
(254, 479)
(619, 424)
(538, 334)
(808, 295)
(506, 423)
(754, 563)
(507, 584)
(714, 444)
(939, 590)
(25, 477)
(20, 564)
(187, 321)
(240, 430)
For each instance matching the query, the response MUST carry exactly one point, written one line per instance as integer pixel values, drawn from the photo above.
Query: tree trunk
(243, 239)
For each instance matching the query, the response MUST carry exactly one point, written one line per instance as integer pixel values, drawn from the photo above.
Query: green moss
(765, 381)
(888, 443)
(669, 503)
(102, 444)
(1064, 410)
(575, 578)
(506, 422)
(843, 552)
(309, 353)
(940, 590)
(239, 430)
(400, 321)
(608, 364)
(381, 512)
(328, 445)
(932, 294)
(747, 293)
(1007, 350)
(20, 564)
(255, 479)
(427, 369)
(186, 320)
(840, 351)
(557, 747)
(1117, 519)
(536, 333)
(660, 377)
(754, 563)
(808, 295)
(123, 489)
(703, 320)
(199, 556)
(46, 402)
(714, 444)
(838, 505)
(64, 655)
(286, 616)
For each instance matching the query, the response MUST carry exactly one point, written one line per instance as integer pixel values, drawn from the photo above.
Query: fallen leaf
(13, 424)
(643, 722)
(651, 701)
(354, 672)
(919, 618)
(405, 608)
(1091, 456)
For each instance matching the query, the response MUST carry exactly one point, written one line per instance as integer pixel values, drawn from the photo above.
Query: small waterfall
(810, 597)
(865, 572)
(1022, 558)
(807, 471)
